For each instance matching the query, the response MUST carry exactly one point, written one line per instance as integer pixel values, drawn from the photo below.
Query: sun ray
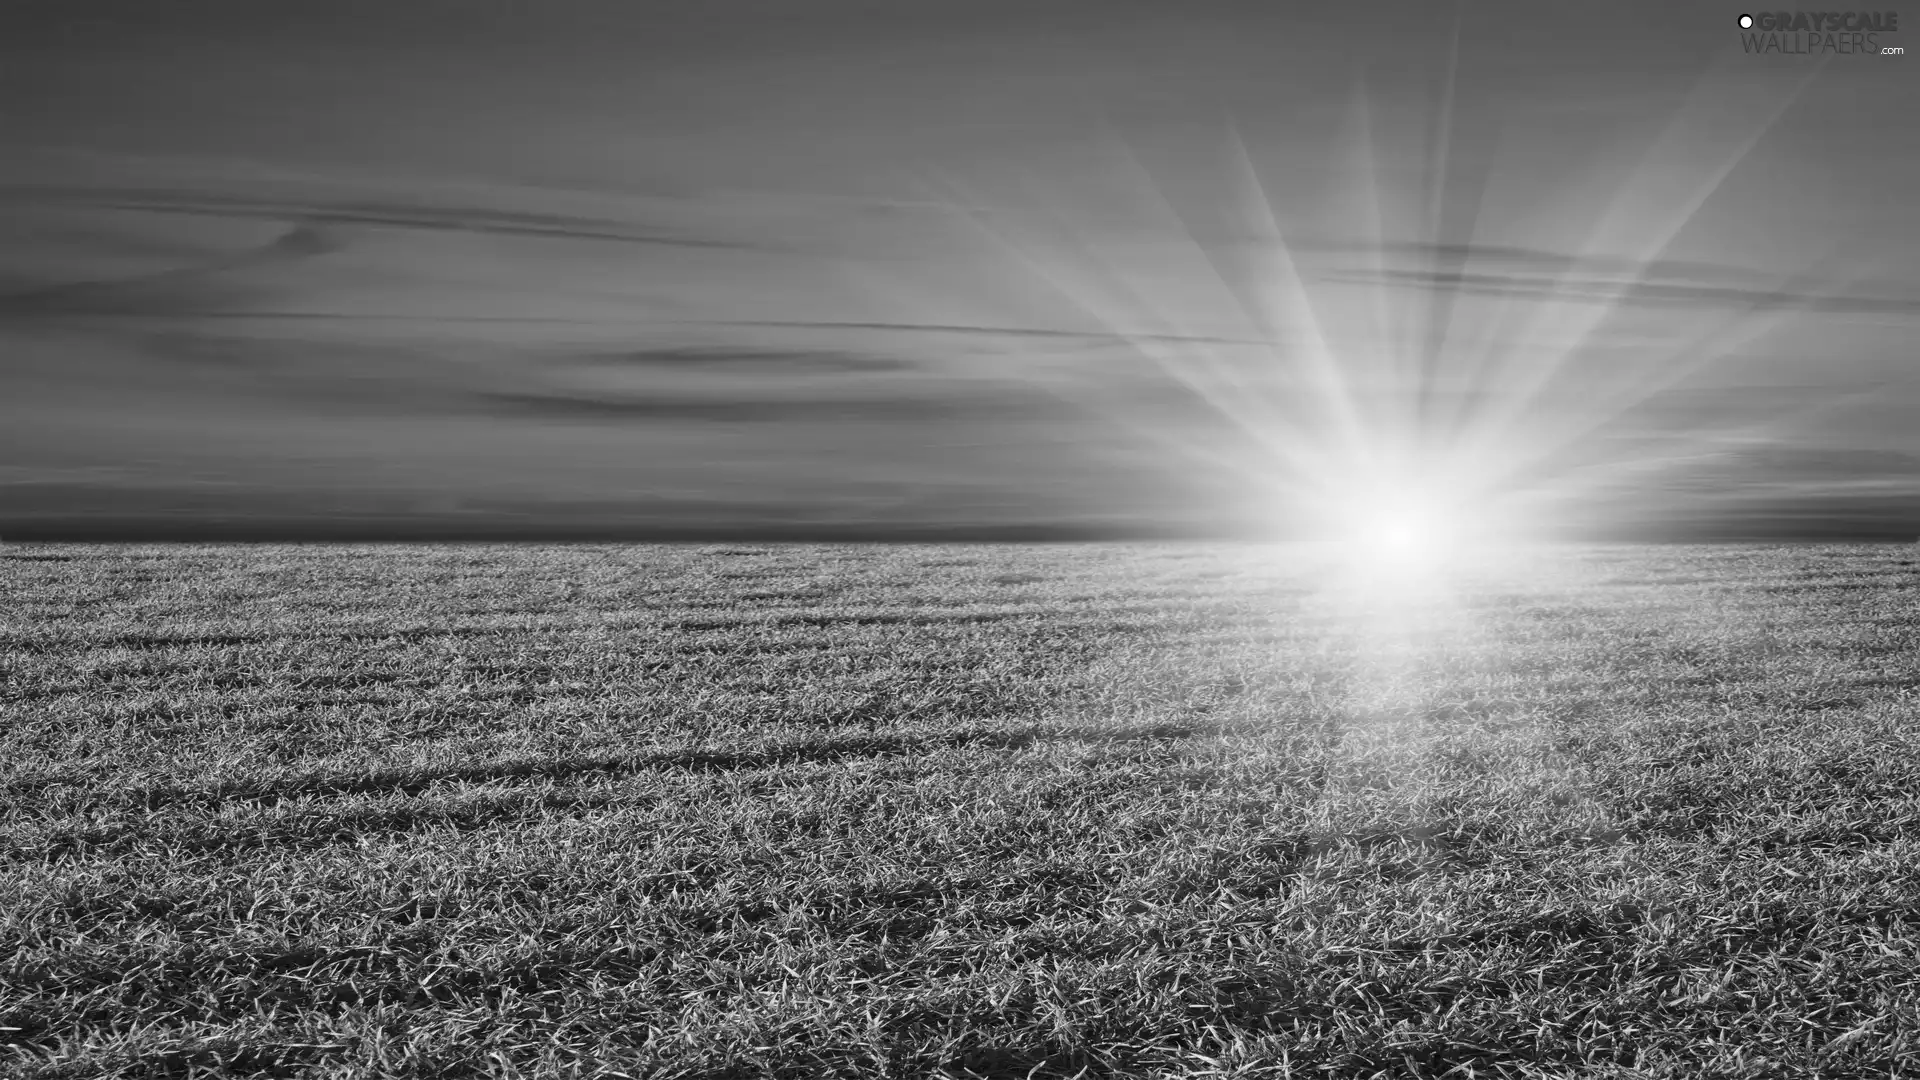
(1666, 368)
(1333, 397)
(1063, 283)
(1329, 376)
(1258, 320)
(1522, 382)
(1244, 411)
(1673, 453)
(1385, 328)
(1433, 329)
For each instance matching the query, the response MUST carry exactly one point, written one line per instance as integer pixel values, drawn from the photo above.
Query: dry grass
(980, 811)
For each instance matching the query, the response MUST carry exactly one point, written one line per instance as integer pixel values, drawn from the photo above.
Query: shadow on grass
(270, 790)
(144, 640)
(1269, 869)
(820, 620)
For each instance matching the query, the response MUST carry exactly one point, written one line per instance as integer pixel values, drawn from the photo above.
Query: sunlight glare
(1400, 530)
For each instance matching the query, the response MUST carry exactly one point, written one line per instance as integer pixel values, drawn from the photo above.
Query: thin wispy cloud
(1643, 287)
(203, 286)
(470, 219)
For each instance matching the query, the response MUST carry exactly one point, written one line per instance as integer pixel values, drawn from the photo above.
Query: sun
(1394, 535)
(1404, 523)
(1415, 520)
(1401, 531)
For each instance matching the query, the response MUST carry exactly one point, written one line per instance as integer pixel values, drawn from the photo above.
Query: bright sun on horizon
(1415, 526)
(1396, 534)
(1401, 532)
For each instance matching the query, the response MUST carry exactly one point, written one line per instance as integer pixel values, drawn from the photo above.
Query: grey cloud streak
(1642, 292)
(1537, 260)
(190, 289)
(481, 220)
(744, 409)
(1538, 274)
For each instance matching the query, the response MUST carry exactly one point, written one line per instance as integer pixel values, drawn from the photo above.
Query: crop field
(963, 811)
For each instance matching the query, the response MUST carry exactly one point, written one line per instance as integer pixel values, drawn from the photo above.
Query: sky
(622, 268)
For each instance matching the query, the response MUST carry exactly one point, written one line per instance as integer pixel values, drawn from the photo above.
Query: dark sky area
(826, 267)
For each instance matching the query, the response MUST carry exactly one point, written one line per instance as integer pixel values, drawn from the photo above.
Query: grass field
(962, 811)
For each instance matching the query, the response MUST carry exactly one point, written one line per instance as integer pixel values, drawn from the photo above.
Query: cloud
(738, 360)
(469, 219)
(962, 330)
(1539, 260)
(1645, 293)
(739, 409)
(1534, 273)
(1795, 463)
(1794, 482)
(194, 288)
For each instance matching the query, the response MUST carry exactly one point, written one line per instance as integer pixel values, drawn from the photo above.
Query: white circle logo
(1746, 22)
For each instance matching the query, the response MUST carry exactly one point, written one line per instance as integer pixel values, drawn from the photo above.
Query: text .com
(1815, 32)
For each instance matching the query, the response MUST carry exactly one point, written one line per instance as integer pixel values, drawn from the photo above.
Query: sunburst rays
(1343, 398)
